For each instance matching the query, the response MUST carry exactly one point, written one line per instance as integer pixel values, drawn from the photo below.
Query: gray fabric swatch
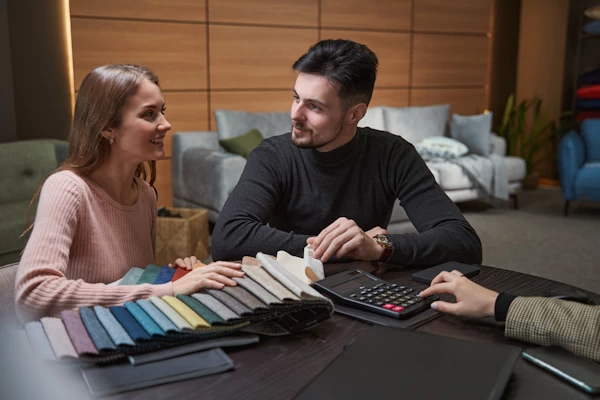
(245, 297)
(260, 275)
(118, 335)
(229, 301)
(216, 306)
(39, 341)
(58, 337)
(260, 292)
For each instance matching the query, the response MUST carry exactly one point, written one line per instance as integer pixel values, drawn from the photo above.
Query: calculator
(359, 289)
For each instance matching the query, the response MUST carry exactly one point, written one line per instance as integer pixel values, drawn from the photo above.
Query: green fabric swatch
(201, 309)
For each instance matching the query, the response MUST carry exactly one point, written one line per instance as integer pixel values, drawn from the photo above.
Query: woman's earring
(111, 139)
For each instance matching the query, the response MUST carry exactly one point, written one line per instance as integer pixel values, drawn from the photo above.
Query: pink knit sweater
(83, 239)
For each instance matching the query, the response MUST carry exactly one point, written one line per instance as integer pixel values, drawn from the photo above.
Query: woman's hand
(215, 276)
(472, 300)
(186, 263)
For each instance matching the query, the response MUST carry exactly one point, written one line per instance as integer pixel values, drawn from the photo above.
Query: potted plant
(527, 130)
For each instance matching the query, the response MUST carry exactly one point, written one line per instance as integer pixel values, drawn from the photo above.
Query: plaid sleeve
(570, 325)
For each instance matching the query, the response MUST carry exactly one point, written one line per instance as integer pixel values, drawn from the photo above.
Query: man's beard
(311, 143)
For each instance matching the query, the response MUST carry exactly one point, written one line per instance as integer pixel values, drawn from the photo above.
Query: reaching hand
(472, 300)
(187, 263)
(345, 238)
(215, 275)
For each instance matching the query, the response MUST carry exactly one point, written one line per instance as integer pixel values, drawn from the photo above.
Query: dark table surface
(279, 367)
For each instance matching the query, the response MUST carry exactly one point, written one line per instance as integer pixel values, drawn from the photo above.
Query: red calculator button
(388, 306)
(397, 308)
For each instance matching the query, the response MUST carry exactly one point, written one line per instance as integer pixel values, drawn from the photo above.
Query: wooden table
(279, 367)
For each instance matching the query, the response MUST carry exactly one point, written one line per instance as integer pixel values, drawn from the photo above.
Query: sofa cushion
(25, 164)
(417, 123)
(13, 225)
(587, 182)
(235, 123)
(244, 144)
(442, 147)
(374, 119)
(451, 176)
(516, 168)
(590, 130)
(8, 274)
(474, 131)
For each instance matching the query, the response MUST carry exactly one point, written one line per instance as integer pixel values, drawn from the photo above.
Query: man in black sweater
(333, 185)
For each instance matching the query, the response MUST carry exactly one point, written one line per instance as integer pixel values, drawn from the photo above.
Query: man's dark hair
(349, 65)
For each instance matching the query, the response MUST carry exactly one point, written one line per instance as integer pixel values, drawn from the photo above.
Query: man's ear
(357, 112)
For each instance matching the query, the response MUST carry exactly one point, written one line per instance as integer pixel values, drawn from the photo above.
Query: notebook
(102, 381)
(396, 363)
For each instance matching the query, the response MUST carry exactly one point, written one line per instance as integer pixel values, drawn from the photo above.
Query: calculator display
(353, 284)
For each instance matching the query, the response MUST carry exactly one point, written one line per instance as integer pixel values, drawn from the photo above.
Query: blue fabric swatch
(99, 336)
(165, 275)
(118, 335)
(161, 319)
(130, 324)
(144, 319)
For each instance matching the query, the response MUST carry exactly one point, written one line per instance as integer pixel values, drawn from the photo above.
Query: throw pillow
(417, 123)
(474, 131)
(441, 146)
(589, 92)
(593, 12)
(242, 145)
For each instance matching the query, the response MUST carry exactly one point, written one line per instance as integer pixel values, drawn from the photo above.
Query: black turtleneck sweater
(287, 194)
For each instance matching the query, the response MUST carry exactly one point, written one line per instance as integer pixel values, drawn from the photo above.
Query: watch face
(384, 241)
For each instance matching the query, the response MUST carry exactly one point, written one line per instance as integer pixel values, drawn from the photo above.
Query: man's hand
(345, 238)
(472, 300)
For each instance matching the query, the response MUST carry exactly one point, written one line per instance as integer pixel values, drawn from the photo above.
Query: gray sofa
(203, 174)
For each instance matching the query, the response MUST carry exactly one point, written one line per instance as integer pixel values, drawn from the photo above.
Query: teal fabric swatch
(149, 275)
(144, 319)
(131, 277)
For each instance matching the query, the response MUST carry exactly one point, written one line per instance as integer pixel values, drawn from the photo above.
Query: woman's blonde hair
(99, 106)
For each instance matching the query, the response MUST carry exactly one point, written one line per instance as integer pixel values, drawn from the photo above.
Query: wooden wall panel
(449, 60)
(244, 57)
(178, 10)
(453, 16)
(253, 101)
(392, 50)
(462, 101)
(176, 52)
(360, 14)
(274, 12)
(389, 97)
(163, 183)
(186, 111)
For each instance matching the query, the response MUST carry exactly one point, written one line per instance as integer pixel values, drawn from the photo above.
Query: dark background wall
(35, 54)
(8, 132)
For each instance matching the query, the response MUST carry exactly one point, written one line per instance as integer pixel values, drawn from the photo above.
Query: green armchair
(23, 167)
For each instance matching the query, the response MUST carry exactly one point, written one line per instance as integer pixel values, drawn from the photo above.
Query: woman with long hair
(96, 215)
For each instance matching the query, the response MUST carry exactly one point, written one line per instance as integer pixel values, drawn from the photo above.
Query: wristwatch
(384, 242)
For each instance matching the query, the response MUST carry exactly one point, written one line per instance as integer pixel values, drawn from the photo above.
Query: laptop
(386, 363)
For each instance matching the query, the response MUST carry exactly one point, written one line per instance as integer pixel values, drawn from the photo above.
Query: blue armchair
(579, 163)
